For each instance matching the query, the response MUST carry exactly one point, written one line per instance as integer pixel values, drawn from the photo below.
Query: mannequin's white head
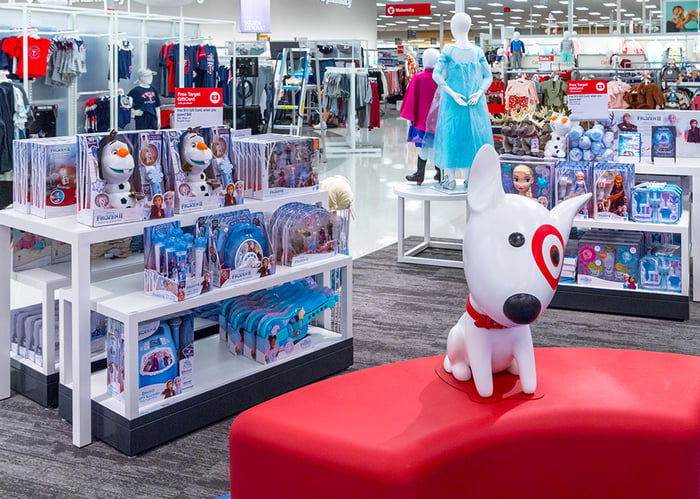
(516, 35)
(460, 25)
(411, 51)
(430, 58)
(567, 35)
(145, 77)
(573, 33)
(500, 51)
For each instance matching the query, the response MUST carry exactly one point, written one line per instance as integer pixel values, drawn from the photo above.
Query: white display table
(428, 192)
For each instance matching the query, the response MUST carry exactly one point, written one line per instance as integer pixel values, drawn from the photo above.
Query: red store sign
(408, 9)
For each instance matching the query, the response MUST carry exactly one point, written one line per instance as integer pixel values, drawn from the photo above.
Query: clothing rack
(351, 139)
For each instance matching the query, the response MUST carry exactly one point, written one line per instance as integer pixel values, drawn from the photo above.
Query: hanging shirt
(520, 95)
(145, 99)
(124, 59)
(190, 64)
(207, 64)
(37, 53)
(616, 93)
(553, 94)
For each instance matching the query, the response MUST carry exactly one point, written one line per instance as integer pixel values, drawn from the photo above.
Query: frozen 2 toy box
(237, 245)
(530, 179)
(273, 164)
(610, 259)
(574, 178)
(613, 183)
(175, 263)
(120, 178)
(657, 202)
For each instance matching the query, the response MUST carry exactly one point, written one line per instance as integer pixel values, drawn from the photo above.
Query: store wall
(292, 19)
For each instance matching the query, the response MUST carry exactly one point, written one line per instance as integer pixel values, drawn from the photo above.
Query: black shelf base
(36, 386)
(150, 430)
(622, 302)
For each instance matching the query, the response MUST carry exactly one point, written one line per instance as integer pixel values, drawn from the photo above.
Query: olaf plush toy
(116, 168)
(561, 126)
(195, 157)
(513, 256)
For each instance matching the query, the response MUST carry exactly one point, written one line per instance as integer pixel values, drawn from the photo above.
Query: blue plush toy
(585, 142)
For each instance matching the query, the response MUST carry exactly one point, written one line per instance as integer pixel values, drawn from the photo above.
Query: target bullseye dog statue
(513, 256)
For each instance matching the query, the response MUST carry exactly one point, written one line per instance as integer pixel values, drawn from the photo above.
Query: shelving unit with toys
(653, 303)
(224, 384)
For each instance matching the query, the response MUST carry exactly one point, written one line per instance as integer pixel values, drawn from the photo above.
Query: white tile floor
(373, 180)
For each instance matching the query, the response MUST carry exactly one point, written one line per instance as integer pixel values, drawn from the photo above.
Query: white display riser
(80, 237)
(215, 368)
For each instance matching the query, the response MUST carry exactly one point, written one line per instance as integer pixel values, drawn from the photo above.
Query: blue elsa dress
(461, 130)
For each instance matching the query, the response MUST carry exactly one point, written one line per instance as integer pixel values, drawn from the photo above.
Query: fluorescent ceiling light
(594, 13)
(583, 20)
(520, 1)
(564, 2)
(628, 14)
(609, 4)
(496, 13)
(401, 22)
(516, 17)
(380, 4)
(605, 18)
(424, 25)
(446, 1)
(581, 8)
(540, 7)
(557, 12)
(517, 10)
(478, 16)
(535, 14)
(474, 8)
(482, 22)
(495, 4)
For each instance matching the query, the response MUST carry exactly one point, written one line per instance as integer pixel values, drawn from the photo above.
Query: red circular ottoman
(602, 423)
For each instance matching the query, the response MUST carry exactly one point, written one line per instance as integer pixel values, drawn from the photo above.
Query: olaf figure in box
(513, 257)
(195, 157)
(117, 166)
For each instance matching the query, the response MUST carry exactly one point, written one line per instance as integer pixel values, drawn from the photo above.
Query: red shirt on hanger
(37, 53)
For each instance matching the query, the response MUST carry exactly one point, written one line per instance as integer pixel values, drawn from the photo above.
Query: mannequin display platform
(463, 122)
(416, 109)
(517, 51)
(146, 103)
(600, 424)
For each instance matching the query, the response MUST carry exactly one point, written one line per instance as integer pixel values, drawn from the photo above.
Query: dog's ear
(485, 186)
(566, 211)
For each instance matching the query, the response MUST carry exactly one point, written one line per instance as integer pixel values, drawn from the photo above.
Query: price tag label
(545, 63)
(588, 99)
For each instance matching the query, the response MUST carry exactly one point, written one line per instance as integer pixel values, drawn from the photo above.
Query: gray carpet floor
(400, 312)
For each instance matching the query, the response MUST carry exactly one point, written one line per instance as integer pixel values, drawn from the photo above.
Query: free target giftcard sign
(198, 107)
(588, 99)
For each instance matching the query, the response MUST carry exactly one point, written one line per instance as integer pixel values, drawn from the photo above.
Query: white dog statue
(513, 256)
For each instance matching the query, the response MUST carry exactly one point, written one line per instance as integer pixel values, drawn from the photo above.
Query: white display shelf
(22, 295)
(80, 237)
(682, 226)
(214, 366)
(123, 298)
(58, 274)
(573, 285)
(67, 229)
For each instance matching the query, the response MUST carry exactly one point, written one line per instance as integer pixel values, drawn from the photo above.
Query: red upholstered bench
(603, 423)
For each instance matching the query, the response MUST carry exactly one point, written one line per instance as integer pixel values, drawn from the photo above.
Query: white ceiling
(523, 13)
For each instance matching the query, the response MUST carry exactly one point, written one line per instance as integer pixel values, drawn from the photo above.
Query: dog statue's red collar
(480, 320)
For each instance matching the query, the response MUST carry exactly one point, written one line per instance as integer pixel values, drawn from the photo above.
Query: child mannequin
(567, 49)
(517, 49)
(463, 123)
(416, 107)
(146, 103)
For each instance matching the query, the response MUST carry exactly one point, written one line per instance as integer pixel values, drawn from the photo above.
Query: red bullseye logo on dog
(548, 250)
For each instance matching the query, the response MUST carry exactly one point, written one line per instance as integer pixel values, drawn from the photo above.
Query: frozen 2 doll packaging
(197, 187)
(530, 179)
(175, 263)
(463, 125)
(274, 164)
(120, 178)
(53, 168)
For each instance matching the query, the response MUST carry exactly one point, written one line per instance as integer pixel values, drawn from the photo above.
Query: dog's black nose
(522, 308)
